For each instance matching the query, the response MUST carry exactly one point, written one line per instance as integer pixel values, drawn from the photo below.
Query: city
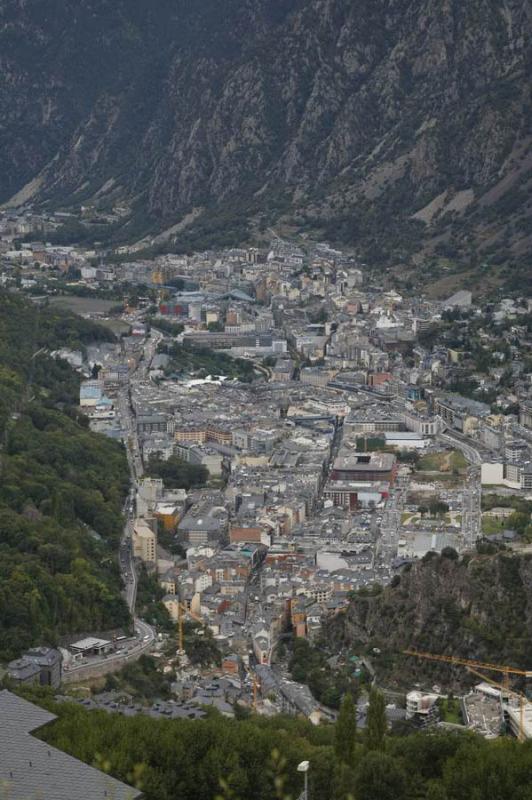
(266, 400)
(298, 433)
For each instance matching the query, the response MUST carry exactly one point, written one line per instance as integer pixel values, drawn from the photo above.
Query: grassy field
(83, 305)
(491, 525)
(448, 461)
(413, 518)
(450, 710)
(94, 307)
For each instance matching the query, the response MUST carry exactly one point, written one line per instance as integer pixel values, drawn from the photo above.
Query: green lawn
(431, 462)
(450, 710)
(444, 462)
(491, 525)
(458, 461)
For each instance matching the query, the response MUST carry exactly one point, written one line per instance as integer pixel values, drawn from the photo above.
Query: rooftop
(31, 768)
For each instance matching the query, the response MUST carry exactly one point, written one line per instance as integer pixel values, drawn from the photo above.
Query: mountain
(477, 607)
(401, 127)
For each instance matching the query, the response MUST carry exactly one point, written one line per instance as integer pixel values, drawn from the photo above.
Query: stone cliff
(478, 607)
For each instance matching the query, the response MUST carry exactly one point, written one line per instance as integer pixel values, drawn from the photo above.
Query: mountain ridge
(400, 126)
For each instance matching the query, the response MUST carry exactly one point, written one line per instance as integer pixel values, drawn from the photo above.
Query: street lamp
(304, 767)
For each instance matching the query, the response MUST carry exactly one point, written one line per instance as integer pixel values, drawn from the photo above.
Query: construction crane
(182, 612)
(475, 668)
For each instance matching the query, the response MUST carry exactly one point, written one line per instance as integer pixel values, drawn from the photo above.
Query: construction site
(494, 707)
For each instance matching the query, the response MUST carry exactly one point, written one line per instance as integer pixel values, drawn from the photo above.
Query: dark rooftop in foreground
(30, 768)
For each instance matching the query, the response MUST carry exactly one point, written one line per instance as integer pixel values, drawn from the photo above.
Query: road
(391, 520)
(471, 451)
(333, 452)
(471, 508)
(127, 562)
(131, 650)
(472, 490)
(136, 468)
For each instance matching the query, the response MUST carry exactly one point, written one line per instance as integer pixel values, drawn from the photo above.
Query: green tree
(437, 507)
(519, 521)
(380, 777)
(436, 791)
(376, 725)
(345, 731)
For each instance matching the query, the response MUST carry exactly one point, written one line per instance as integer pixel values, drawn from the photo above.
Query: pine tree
(376, 725)
(345, 731)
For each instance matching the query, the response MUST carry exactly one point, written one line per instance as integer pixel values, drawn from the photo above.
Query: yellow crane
(182, 612)
(475, 668)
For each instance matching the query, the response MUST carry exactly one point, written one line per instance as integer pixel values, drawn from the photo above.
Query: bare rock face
(349, 117)
(475, 608)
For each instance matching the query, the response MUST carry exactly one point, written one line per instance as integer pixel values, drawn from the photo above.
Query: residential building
(144, 542)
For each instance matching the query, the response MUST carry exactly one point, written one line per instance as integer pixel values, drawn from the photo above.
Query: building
(297, 699)
(204, 524)
(516, 451)
(171, 603)
(90, 393)
(23, 672)
(405, 440)
(42, 665)
(168, 515)
(316, 376)
(200, 455)
(421, 708)
(364, 467)
(144, 543)
(513, 714)
(151, 423)
(352, 494)
(149, 492)
(525, 416)
(31, 768)
(249, 534)
(507, 473)
(459, 412)
(91, 646)
(422, 424)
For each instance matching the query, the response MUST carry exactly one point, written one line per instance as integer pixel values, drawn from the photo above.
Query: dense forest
(61, 487)
(256, 758)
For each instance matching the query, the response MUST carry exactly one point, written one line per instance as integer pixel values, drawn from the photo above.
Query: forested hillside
(477, 606)
(61, 488)
(257, 758)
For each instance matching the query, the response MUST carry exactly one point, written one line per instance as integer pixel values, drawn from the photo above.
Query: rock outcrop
(478, 607)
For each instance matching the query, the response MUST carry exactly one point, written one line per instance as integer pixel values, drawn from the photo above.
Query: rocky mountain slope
(478, 608)
(399, 126)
